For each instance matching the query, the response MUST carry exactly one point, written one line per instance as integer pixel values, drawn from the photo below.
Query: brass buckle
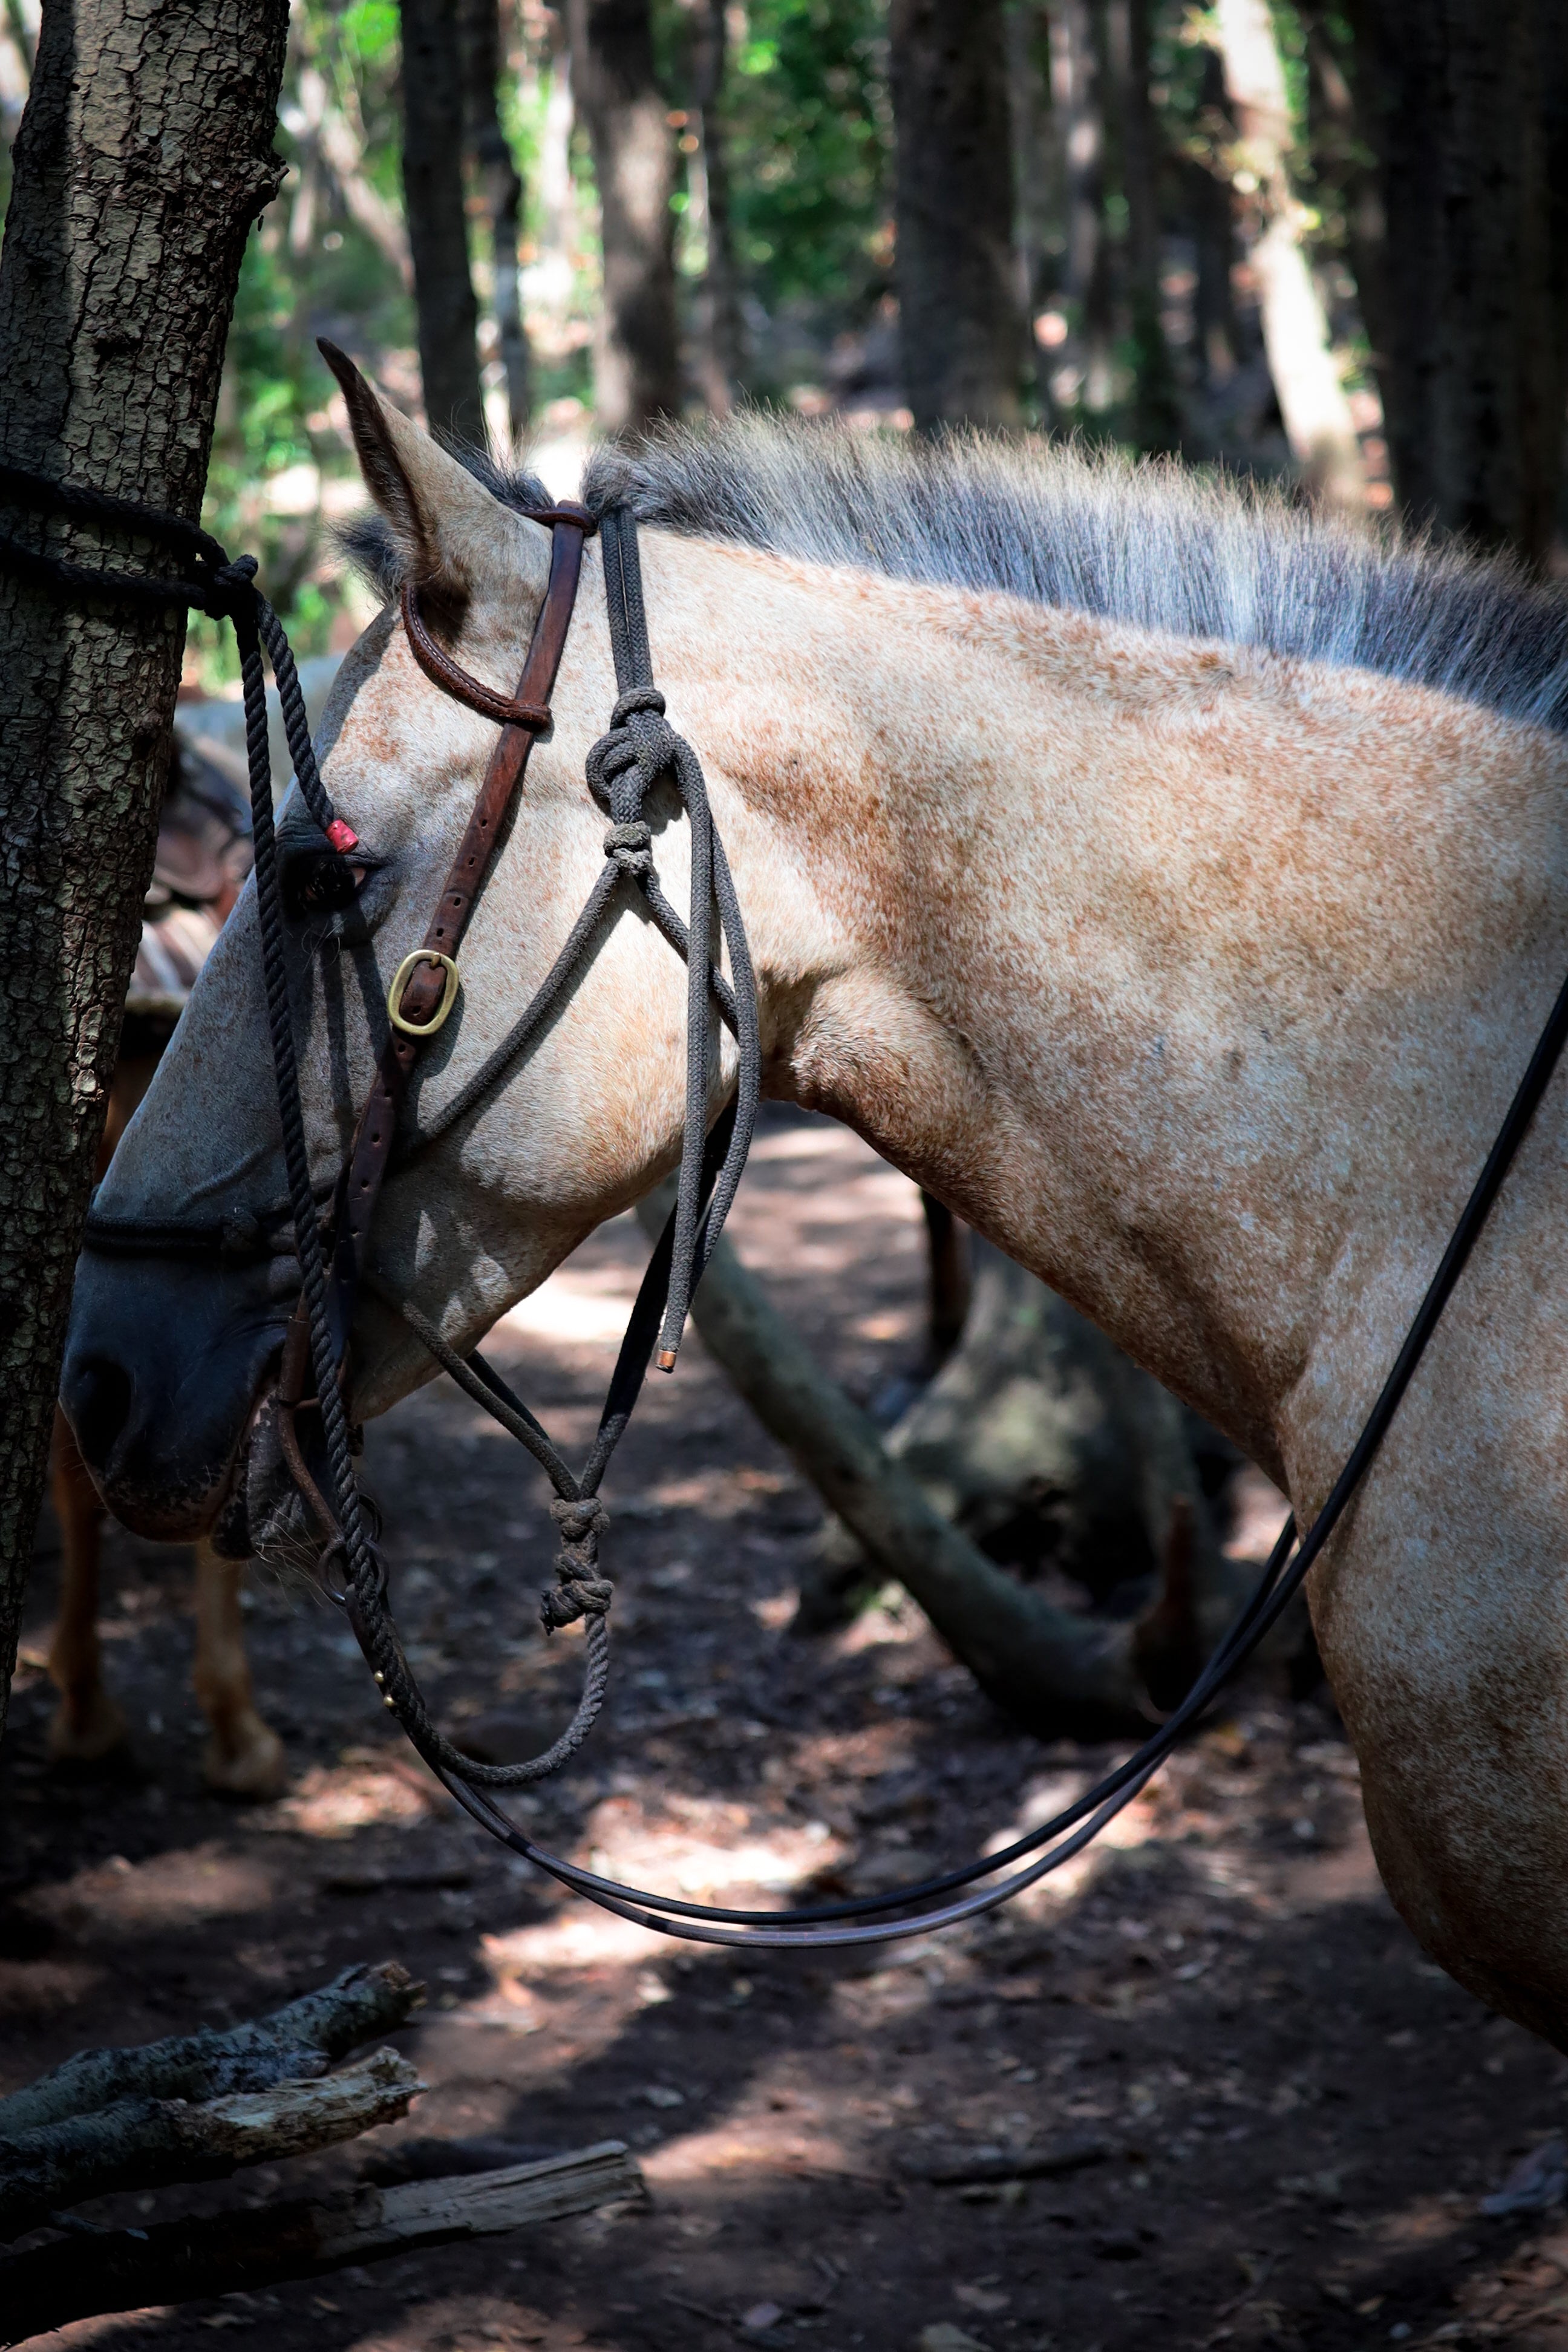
(400, 980)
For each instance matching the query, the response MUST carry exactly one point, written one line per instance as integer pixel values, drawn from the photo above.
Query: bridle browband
(639, 752)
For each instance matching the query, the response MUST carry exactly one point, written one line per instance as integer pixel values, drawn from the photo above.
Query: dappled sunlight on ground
(1199, 2089)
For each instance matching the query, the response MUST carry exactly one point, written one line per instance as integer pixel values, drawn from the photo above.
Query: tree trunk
(1295, 332)
(960, 330)
(501, 191)
(1076, 95)
(720, 341)
(437, 227)
(1209, 208)
(1343, 166)
(1156, 417)
(637, 359)
(1037, 178)
(1465, 105)
(340, 150)
(144, 157)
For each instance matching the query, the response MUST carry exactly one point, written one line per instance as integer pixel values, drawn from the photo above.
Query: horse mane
(1154, 544)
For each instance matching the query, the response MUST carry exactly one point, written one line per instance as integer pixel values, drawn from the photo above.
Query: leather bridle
(639, 752)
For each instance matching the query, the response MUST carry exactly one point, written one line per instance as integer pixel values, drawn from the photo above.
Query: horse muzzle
(164, 1363)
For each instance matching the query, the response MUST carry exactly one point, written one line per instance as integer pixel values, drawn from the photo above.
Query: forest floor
(1277, 2120)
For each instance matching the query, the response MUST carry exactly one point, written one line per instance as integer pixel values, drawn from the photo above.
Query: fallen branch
(1047, 1666)
(291, 2045)
(961, 2167)
(144, 2143)
(125, 2270)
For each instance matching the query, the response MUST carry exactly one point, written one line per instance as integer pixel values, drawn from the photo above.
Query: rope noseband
(640, 750)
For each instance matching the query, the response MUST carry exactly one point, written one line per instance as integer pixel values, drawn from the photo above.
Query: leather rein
(639, 752)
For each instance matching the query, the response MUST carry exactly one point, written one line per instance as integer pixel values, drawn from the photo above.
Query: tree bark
(1156, 417)
(144, 157)
(720, 341)
(1312, 398)
(143, 2142)
(1465, 105)
(1075, 91)
(960, 328)
(501, 189)
(293, 2042)
(449, 321)
(1037, 178)
(637, 359)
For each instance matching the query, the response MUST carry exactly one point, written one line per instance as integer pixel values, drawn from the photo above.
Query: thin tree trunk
(636, 371)
(501, 190)
(1210, 210)
(960, 328)
(720, 341)
(144, 157)
(437, 227)
(1312, 398)
(1465, 104)
(1156, 417)
(340, 149)
(1036, 176)
(558, 200)
(1343, 166)
(1076, 92)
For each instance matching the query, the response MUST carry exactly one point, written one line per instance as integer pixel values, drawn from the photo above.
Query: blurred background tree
(1323, 241)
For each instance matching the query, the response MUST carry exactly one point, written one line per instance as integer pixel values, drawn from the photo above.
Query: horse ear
(450, 532)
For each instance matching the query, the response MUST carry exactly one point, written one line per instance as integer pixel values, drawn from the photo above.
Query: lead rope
(624, 767)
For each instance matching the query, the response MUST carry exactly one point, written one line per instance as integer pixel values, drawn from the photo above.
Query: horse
(202, 858)
(1171, 881)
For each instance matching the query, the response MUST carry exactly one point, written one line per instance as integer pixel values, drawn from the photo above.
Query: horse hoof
(249, 1764)
(87, 1735)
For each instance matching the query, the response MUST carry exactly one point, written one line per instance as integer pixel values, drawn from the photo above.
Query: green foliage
(310, 269)
(808, 132)
(810, 143)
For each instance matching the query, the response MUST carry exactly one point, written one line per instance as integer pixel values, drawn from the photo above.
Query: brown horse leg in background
(243, 1756)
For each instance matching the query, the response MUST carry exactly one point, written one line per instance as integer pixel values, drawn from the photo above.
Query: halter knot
(637, 700)
(639, 737)
(631, 846)
(579, 1590)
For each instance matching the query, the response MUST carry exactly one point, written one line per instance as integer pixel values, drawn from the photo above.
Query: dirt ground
(1275, 2119)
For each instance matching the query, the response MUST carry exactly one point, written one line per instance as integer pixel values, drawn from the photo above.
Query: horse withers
(1171, 883)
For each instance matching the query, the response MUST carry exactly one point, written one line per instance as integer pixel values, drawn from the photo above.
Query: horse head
(171, 1356)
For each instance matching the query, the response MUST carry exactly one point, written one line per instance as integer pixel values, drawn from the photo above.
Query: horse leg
(87, 1723)
(244, 1756)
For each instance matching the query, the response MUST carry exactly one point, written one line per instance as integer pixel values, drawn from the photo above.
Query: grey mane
(1154, 545)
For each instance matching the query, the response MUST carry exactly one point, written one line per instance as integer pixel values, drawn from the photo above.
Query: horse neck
(1088, 931)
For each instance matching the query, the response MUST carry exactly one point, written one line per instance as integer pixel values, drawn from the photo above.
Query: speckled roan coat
(1195, 975)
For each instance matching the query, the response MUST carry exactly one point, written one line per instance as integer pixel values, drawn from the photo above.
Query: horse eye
(319, 882)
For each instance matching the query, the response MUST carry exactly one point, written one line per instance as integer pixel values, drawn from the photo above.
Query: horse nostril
(100, 1405)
